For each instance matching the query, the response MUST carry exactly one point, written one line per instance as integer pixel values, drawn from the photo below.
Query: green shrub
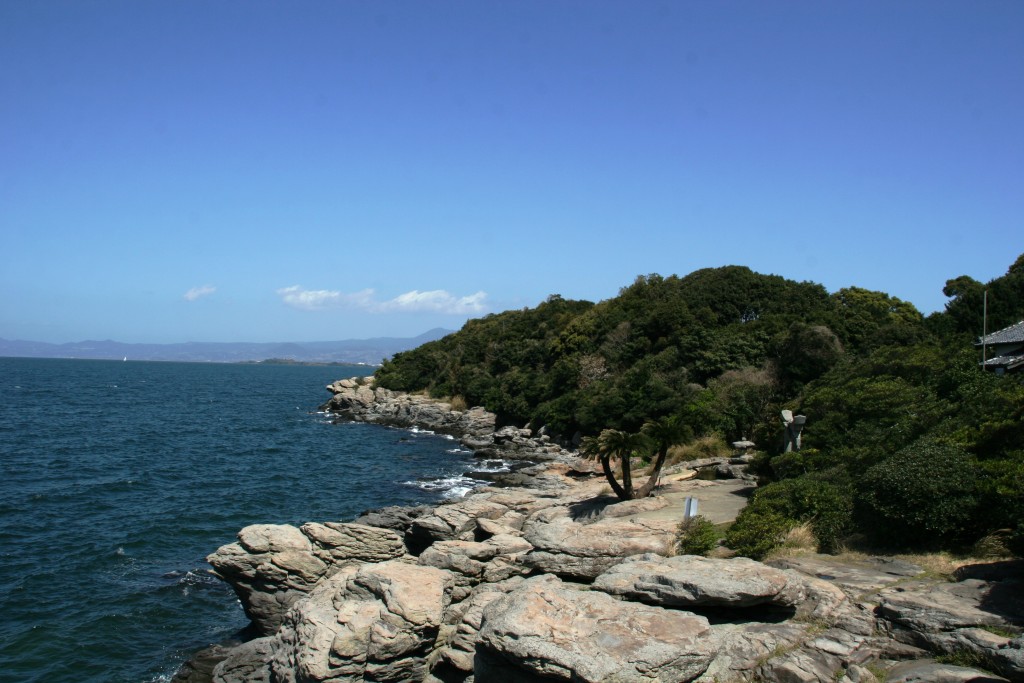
(758, 531)
(926, 495)
(827, 506)
(798, 463)
(696, 536)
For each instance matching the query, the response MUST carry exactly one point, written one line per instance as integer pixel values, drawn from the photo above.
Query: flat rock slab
(694, 581)
(855, 576)
(545, 630)
(928, 671)
(941, 607)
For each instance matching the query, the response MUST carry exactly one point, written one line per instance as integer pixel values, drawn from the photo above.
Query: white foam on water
(450, 487)
(492, 466)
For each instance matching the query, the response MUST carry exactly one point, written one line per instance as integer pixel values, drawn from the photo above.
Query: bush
(757, 532)
(798, 463)
(777, 508)
(926, 495)
(696, 536)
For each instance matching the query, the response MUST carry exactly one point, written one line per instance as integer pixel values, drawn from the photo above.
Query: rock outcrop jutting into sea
(555, 581)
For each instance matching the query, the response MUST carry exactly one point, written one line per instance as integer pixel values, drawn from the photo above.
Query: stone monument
(794, 425)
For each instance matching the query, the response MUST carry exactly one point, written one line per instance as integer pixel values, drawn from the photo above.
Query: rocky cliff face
(555, 582)
(356, 399)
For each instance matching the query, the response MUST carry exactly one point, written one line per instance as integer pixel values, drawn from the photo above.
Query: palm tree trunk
(627, 477)
(610, 476)
(659, 462)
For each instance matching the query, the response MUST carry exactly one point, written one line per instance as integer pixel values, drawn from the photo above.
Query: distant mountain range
(368, 351)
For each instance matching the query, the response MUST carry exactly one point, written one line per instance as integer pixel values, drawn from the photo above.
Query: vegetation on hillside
(907, 442)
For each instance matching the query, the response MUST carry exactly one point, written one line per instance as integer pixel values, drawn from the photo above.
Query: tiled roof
(1008, 362)
(1008, 335)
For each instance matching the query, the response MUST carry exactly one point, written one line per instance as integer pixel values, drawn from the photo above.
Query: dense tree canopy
(722, 350)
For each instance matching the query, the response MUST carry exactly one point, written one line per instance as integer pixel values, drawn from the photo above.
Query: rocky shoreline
(556, 580)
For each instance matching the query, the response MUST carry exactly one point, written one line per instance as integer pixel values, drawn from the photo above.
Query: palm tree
(664, 433)
(614, 443)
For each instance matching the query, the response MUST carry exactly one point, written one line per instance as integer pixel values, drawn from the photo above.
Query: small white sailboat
(125, 359)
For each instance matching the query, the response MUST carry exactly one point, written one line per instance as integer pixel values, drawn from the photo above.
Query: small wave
(458, 450)
(492, 466)
(192, 580)
(417, 430)
(449, 487)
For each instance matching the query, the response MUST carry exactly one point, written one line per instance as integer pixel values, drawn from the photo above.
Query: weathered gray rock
(360, 402)
(454, 521)
(247, 663)
(742, 648)
(356, 400)
(374, 622)
(628, 508)
(546, 629)
(395, 517)
(583, 551)
(335, 542)
(856, 576)
(490, 561)
(455, 648)
(691, 581)
(938, 607)
(274, 565)
(199, 668)
(928, 671)
(270, 567)
(951, 618)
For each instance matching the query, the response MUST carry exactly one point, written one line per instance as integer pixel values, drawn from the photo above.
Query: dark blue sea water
(118, 478)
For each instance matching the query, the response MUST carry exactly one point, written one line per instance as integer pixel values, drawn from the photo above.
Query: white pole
(984, 331)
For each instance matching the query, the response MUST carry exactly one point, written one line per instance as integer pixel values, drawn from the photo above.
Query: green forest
(908, 442)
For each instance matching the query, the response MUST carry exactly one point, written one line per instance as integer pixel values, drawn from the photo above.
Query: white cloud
(436, 301)
(199, 292)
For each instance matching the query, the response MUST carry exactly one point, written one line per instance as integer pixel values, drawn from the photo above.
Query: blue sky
(266, 171)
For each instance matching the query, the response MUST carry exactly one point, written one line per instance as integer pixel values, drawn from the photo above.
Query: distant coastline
(291, 361)
(343, 352)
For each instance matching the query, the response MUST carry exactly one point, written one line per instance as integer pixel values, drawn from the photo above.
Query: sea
(117, 478)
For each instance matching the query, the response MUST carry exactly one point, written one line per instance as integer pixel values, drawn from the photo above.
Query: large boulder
(272, 566)
(583, 551)
(371, 622)
(545, 630)
(694, 582)
(689, 581)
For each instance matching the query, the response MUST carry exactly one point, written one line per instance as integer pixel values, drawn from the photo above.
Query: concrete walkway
(717, 501)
